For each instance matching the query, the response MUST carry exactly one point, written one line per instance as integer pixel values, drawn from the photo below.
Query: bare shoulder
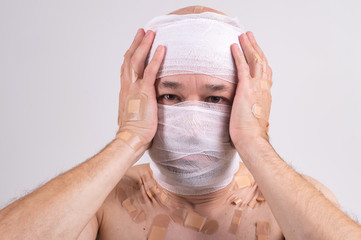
(323, 189)
(128, 186)
(122, 205)
(137, 170)
(130, 183)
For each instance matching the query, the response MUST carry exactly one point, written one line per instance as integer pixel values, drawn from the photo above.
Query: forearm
(62, 207)
(300, 209)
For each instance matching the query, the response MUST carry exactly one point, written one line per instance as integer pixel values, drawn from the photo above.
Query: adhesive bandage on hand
(135, 107)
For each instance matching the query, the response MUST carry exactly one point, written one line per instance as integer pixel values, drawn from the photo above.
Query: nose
(194, 125)
(193, 98)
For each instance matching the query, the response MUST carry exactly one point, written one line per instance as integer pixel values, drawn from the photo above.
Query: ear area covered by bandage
(188, 39)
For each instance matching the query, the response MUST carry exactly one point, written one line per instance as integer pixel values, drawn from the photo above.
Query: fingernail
(159, 48)
(139, 30)
(147, 33)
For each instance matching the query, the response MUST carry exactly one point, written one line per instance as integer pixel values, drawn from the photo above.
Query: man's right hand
(137, 116)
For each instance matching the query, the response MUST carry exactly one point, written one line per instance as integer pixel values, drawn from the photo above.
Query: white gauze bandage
(196, 43)
(191, 152)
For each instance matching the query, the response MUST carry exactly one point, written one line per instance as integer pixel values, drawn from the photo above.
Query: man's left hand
(252, 100)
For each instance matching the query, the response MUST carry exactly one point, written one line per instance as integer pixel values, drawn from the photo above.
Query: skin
(78, 203)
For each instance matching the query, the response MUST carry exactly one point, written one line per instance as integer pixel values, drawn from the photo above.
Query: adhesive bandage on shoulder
(135, 107)
(131, 139)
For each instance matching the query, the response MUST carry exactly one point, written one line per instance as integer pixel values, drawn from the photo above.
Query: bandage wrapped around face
(192, 152)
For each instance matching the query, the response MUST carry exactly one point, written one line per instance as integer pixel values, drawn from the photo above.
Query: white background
(59, 73)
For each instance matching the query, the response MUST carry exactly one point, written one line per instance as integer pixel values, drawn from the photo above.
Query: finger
(241, 63)
(150, 72)
(254, 60)
(138, 59)
(137, 40)
(256, 46)
(269, 75)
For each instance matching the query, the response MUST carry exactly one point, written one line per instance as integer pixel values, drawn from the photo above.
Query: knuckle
(150, 70)
(133, 61)
(126, 54)
(244, 67)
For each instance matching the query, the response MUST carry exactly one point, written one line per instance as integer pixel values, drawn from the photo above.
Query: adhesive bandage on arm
(135, 110)
(130, 138)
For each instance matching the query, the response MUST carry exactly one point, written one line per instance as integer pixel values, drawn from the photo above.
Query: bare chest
(157, 224)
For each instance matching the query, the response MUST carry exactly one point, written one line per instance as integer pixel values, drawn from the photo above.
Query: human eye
(216, 99)
(168, 98)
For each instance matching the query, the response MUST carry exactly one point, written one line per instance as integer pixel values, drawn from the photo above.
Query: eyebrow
(216, 87)
(172, 85)
(210, 87)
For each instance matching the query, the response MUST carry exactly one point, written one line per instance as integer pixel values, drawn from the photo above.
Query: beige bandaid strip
(242, 181)
(260, 197)
(136, 214)
(250, 195)
(252, 203)
(264, 85)
(150, 186)
(135, 108)
(262, 230)
(159, 227)
(128, 205)
(210, 227)
(256, 110)
(257, 58)
(131, 139)
(157, 233)
(163, 198)
(122, 195)
(235, 221)
(194, 220)
(178, 215)
(236, 201)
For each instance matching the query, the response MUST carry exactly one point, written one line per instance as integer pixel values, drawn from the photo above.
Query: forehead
(189, 80)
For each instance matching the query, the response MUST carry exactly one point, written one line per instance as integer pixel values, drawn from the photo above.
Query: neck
(204, 203)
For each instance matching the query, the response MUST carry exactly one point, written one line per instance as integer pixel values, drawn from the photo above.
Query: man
(106, 197)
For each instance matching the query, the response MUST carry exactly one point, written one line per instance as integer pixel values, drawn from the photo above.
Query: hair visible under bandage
(196, 44)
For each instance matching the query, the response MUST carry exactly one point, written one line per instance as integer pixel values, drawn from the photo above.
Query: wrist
(249, 142)
(250, 148)
(132, 143)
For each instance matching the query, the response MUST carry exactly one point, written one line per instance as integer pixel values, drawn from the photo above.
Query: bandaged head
(191, 153)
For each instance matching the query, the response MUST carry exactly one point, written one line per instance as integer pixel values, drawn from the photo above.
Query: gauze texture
(191, 152)
(196, 44)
